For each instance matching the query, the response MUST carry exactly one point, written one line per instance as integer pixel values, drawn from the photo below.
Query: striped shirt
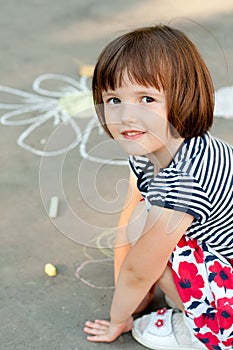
(198, 181)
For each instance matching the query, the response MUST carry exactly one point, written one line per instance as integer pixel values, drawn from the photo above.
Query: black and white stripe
(197, 181)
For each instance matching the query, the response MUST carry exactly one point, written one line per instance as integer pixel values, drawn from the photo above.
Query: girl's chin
(135, 152)
(133, 148)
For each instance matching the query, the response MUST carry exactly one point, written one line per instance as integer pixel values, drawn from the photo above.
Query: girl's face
(136, 116)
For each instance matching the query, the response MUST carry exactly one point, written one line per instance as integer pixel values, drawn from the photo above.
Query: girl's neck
(163, 157)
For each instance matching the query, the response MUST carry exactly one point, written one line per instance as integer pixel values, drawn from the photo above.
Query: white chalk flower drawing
(60, 106)
(36, 109)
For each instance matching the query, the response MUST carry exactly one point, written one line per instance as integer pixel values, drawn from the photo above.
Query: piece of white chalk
(53, 207)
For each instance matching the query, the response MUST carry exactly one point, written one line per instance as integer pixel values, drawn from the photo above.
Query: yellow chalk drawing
(104, 243)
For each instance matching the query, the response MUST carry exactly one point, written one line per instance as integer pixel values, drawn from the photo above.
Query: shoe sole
(154, 347)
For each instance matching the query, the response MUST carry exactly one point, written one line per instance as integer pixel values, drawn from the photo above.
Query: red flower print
(222, 275)
(182, 243)
(209, 340)
(225, 312)
(188, 283)
(228, 343)
(208, 319)
(198, 252)
(192, 245)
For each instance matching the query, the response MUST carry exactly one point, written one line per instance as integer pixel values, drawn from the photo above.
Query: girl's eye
(113, 101)
(148, 99)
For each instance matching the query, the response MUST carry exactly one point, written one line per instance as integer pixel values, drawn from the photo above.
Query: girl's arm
(147, 260)
(141, 268)
(122, 245)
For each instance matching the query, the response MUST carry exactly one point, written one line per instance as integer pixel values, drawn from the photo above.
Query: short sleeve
(179, 191)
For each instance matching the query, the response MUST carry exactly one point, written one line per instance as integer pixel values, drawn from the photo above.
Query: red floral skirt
(204, 280)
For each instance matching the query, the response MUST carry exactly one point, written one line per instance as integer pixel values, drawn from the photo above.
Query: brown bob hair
(165, 58)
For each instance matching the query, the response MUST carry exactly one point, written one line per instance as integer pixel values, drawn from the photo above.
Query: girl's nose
(128, 113)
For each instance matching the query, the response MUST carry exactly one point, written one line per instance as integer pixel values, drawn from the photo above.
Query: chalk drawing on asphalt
(104, 243)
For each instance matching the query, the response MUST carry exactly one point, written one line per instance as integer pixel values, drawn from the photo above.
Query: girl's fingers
(103, 322)
(99, 327)
(99, 338)
(95, 331)
(98, 324)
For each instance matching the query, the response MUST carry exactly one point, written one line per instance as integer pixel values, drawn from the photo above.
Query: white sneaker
(165, 330)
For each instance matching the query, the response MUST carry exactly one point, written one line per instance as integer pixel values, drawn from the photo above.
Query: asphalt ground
(39, 37)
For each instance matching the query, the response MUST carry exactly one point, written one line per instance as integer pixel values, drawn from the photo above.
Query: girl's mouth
(132, 134)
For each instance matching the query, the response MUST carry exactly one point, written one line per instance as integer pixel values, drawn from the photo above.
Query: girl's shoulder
(197, 150)
(214, 140)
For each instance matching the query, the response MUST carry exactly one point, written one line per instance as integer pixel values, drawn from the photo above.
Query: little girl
(154, 95)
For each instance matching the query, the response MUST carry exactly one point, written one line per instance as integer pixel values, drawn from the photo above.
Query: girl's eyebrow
(105, 94)
(150, 92)
(139, 92)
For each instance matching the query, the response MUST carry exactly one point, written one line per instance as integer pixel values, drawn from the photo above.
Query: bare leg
(167, 285)
(165, 282)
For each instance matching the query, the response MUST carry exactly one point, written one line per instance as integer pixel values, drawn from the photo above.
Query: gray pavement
(37, 37)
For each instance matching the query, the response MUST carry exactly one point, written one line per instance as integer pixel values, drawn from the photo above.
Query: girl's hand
(105, 331)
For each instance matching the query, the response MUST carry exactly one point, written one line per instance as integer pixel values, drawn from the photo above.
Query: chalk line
(88, 283)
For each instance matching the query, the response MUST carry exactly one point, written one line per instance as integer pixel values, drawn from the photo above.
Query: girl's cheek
(112, 119)
(109, 122)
